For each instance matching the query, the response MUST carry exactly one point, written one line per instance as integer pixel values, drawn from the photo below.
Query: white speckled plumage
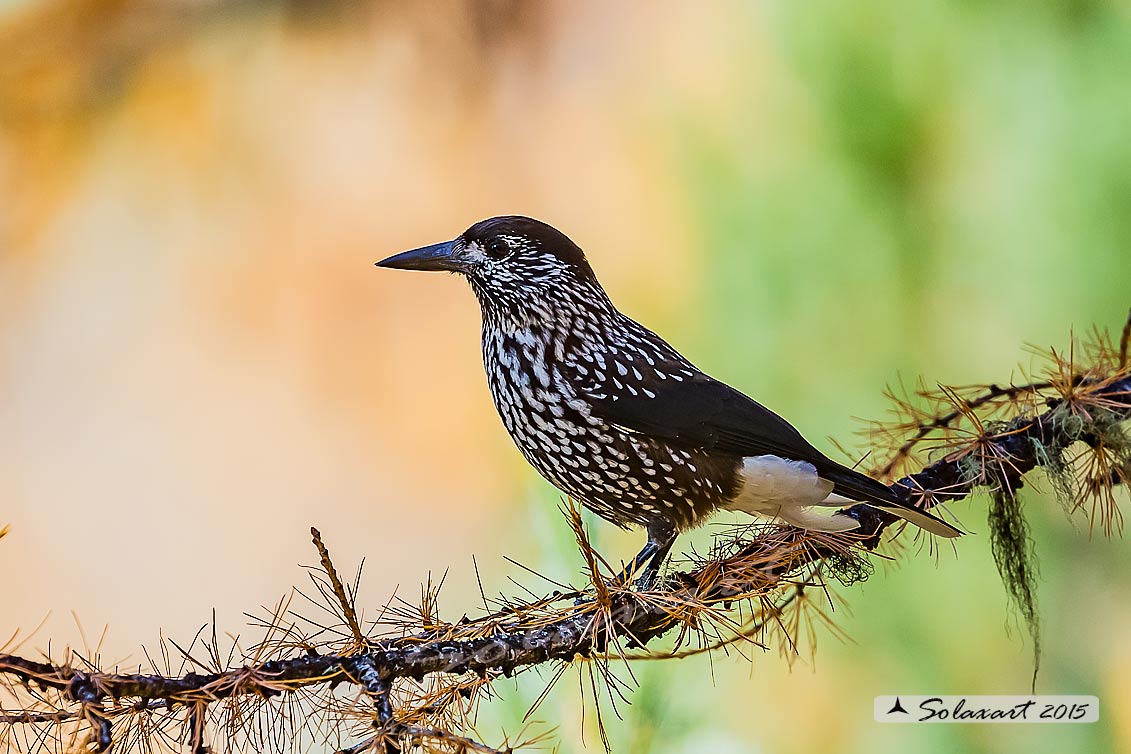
(610, 413)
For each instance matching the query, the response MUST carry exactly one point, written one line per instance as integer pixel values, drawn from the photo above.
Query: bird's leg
(652, 569)
(661, 537)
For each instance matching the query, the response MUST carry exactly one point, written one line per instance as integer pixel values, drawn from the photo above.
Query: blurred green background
(811, 200)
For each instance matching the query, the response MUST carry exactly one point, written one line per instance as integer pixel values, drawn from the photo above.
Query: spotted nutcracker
(611, 414)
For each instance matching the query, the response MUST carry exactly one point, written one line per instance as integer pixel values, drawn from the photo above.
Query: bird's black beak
(439, 256)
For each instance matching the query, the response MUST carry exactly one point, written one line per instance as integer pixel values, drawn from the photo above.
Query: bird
(615, 417)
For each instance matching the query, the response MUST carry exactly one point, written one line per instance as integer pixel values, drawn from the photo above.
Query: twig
(1124, 342)
(348, 612)
(944, 421)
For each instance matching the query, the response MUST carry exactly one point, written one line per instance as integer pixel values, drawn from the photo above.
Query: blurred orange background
(198, 361)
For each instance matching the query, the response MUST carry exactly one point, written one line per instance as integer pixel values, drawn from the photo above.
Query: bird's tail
(922, 519)
(852, 486)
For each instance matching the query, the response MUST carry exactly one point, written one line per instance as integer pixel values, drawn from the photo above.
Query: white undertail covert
(789, 491)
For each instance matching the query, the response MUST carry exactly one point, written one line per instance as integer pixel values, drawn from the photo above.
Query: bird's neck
(563, 307)
(568, 318)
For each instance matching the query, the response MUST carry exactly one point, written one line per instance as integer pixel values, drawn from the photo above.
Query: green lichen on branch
(1014, 556)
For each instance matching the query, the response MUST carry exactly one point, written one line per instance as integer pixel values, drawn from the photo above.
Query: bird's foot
(644, 579)
(646, 565)
(646, 575)
(647, 579)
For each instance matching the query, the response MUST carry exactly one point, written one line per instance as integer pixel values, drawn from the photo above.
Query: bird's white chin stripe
(790, 491)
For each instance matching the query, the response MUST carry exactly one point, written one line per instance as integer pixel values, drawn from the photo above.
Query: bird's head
(512, 262)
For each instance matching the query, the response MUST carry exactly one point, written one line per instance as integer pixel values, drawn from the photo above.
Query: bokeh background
(812, 200)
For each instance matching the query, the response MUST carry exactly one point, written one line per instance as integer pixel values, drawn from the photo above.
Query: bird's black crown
(526, 243)
(523, 270)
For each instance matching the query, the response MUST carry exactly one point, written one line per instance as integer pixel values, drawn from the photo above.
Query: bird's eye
(497, 248)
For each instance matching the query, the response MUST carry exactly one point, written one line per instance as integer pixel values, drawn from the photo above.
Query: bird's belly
(624, 478)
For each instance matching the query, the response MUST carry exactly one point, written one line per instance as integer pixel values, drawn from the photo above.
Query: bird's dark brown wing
(697, 411)
(701, 412)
